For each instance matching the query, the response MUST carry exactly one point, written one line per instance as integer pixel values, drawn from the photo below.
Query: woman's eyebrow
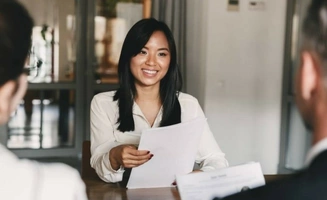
(160, 49)
(163, 49)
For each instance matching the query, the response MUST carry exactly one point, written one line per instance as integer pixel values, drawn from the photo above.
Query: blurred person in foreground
(311, 99)
(20, 178)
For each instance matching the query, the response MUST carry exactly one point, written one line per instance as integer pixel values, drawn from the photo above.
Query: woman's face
(151, 64)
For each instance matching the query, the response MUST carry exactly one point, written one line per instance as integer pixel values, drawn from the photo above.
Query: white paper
(220, 183)
(174, 149)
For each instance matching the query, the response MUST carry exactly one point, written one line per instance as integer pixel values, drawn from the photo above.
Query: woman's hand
(197, 170)
(194, 171)
(128, 156)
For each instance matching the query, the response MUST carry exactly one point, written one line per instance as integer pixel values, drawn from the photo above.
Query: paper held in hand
(221, 182)
(174, 149)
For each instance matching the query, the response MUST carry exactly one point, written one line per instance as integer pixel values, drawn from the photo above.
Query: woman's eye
(142, 52)
(162, 54)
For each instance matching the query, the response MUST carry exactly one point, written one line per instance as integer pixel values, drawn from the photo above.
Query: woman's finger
(132, 157)
(130, 149)
(134, 163)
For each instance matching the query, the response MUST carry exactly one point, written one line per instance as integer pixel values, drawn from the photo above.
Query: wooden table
(99, 190)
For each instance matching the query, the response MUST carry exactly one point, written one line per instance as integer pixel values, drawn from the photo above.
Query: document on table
(174, 149)
(220, 183)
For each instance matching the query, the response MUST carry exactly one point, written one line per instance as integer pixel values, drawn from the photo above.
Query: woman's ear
(11, 94)
(20, 91)
(7, 91)
(309, 75)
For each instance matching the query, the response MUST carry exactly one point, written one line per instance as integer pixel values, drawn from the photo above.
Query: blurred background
(237, 58)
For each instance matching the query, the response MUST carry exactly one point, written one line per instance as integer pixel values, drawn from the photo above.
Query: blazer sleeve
(103, 140)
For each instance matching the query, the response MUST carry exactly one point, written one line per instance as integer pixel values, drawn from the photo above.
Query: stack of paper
(220, 183)
(174, 149)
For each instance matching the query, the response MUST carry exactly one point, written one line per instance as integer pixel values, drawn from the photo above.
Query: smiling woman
(148, 96)
(151, 64)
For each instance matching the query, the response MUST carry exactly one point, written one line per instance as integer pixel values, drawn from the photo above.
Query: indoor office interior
(238, 58)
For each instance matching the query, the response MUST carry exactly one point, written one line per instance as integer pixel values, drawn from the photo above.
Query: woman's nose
(151, 60)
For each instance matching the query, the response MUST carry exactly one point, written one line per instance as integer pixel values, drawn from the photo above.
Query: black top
(309, 184)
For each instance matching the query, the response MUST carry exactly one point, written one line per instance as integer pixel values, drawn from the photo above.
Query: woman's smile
(149, 72)
(151, 64)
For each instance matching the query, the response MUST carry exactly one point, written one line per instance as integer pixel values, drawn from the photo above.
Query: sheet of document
(174, 149)
(220, 183)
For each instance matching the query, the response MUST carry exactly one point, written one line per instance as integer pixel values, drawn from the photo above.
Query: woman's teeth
(150, 71)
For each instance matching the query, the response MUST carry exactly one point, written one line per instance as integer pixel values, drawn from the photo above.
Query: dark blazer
(309, 184)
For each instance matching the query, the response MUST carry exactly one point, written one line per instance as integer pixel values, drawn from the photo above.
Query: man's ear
(309, 75)
(7, 91)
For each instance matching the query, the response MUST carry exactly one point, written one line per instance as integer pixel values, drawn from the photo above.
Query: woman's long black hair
(170, 85)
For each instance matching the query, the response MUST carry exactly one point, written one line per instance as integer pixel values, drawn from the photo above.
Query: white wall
(234, 65)
(196, 47)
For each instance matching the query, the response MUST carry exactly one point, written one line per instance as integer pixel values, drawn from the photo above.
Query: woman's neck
(148, 100)
(146, 94)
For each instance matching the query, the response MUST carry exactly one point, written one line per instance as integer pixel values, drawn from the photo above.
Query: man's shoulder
(6, 155)
(267, 192)
(46, 180)
(320, 160)
(60, 171)
(299, 186)
(71, 185)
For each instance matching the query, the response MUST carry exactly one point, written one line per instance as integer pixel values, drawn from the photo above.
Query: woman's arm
(209, 155)
(109, 158)
(103, 140)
